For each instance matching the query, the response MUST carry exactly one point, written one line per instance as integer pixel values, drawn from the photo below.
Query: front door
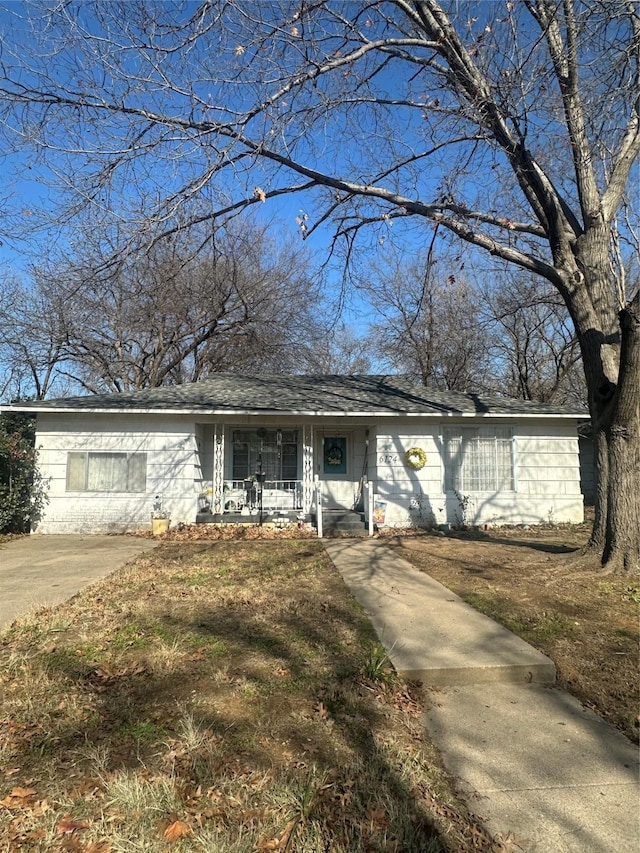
(336, 468)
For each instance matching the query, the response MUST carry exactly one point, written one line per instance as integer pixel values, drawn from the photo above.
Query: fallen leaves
(19, 797)
(200, 653)
(408, 704)
(269, 844)
(378, 818)
(285, 696)
(176, 830)
(68, 825)
(73, 844)
(281, 842)
(321, 710)
(106, 674)
(25, 807)
(25, 800)
(508, 843)
(234, 532)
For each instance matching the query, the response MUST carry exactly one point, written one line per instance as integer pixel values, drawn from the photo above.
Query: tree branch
(630, 146)
(547, 204)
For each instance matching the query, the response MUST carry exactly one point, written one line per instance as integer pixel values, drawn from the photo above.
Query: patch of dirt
(530, 580)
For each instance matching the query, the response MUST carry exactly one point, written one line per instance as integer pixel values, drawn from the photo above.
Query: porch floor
(268, 517)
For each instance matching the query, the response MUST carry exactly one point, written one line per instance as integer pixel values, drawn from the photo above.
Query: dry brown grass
(212, 696)
(585, 622)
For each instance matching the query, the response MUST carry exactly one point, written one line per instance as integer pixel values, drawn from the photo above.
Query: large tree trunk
(610, 347)
(622, 541)
(615, 410)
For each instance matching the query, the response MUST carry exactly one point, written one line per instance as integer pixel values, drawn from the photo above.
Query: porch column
(307, 467)
(217, 498)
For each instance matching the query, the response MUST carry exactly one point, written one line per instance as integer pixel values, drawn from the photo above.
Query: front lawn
(224, 697)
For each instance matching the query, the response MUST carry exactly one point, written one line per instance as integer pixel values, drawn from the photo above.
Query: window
(106, 472)
(478, 459)
(277, 450)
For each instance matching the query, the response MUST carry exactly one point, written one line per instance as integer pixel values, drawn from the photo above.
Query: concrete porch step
(342, 521)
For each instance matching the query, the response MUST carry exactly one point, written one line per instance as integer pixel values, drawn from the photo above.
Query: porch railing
(277, 495)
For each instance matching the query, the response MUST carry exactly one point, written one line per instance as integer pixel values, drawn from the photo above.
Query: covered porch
(264, 472)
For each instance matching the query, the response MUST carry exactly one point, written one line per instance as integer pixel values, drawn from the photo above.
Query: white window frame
(478, 459)
(251, 441)
(79, 472)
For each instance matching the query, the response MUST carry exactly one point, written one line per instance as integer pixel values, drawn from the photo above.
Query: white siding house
(524, 473)
(232, 448)
(158, 455)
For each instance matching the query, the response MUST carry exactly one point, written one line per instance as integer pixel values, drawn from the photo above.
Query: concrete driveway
(41, 571)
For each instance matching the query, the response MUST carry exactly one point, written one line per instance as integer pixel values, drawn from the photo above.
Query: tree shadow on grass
(532, 544)
(269, 681)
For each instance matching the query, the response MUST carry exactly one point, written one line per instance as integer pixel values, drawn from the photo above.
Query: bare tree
(515, 126)
(498, 334)
(428, 322)
(533, 346)
(31, 344)
(184, 309)
(340, 350)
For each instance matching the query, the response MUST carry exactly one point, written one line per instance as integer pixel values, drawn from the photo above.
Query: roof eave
(272, 413)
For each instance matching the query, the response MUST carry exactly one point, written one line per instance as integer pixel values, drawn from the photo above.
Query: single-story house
(243, 448)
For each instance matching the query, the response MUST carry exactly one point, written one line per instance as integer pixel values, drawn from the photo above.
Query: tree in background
(174, 311)
(31, 343)
(496, 334)
(22, 493)
(533, 346)
(339, 351)
(428, 322)
(514, 126)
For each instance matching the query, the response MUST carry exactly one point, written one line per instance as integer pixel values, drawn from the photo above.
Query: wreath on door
(334, 455)
(415, 458)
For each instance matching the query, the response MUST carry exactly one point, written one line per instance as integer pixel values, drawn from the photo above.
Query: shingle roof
(317, 394)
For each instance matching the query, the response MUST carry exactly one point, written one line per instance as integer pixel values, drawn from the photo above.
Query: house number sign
(388, 459)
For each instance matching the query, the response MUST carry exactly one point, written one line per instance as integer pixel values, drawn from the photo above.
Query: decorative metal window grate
(277, 450)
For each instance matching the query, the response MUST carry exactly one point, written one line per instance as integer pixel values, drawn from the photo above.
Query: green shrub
(22, 492)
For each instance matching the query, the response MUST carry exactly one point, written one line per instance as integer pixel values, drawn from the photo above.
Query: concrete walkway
(535, 766)
(42, 571)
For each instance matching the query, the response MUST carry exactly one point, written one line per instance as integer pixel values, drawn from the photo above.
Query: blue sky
(25, 187)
